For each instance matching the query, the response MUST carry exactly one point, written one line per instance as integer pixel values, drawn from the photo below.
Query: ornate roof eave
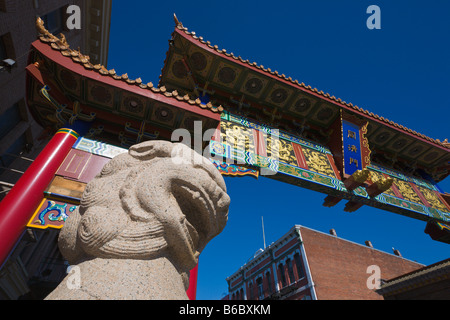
(206, 45)
(60, 44)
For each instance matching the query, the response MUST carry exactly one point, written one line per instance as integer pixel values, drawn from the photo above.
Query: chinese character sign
(351, 147)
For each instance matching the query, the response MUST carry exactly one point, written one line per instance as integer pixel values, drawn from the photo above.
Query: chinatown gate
(263, 124)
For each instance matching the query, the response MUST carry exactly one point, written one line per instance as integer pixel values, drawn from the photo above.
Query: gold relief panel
(272, 147)
(287, 153)
(318, 162)
(432, 199)
(237, 137)
(377, 176)
(407, 191)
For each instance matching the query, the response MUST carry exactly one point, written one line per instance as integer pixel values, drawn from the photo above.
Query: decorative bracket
(94, 132)
(379, 186)
(61, 109)
(331, 201)
(352, 206)
(358, 178)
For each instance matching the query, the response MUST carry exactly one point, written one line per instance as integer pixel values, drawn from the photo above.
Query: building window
(282, 275)
(238, 295)
(6, 47)
(269, 282)
(259, 283)
(250, 289)
(290, 271)
(299, 266)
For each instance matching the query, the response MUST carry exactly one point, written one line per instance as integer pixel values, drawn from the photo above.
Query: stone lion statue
(142, 223)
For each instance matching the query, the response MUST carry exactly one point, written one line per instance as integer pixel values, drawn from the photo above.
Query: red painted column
(20, 203)
(192, 290)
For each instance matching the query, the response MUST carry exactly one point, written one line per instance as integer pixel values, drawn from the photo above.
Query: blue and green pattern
(98, 148)
(324, 181)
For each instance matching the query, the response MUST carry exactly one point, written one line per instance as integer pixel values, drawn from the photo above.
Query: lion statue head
(159, 199)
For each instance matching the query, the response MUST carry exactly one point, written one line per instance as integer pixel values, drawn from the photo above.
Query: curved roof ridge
(61, 45)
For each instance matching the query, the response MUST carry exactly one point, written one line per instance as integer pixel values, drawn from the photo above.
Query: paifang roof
(122, 107)
(301, 85)
(211, 68)
(383, 133)
(76, 56)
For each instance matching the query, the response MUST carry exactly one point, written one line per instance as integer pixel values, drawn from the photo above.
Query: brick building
(306, 264)
(30, 272)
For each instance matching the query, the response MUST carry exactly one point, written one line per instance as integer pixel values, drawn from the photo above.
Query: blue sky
(400, 72)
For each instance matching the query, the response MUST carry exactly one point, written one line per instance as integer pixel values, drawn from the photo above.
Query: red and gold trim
(70, 132)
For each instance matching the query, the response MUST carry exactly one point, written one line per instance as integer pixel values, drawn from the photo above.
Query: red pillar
(192, 290)
(20, 203)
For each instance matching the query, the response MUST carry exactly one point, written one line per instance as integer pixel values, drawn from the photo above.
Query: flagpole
(264, 236)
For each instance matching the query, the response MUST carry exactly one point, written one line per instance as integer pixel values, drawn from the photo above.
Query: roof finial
(177, 22)
(40, 27)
